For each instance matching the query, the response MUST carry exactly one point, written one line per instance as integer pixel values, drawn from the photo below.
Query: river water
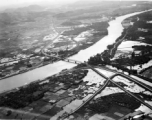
(114, 31)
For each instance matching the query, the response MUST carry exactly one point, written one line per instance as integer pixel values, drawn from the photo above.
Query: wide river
(114, 31)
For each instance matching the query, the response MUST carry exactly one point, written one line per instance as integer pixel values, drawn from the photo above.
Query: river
(114, 31)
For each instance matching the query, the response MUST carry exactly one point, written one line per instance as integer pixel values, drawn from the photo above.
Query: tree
(110, 46)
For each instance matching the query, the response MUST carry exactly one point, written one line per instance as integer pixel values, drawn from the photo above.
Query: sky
(6, 3)
(14, 3)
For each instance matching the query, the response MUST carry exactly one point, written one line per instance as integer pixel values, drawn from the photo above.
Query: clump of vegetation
(103, 104)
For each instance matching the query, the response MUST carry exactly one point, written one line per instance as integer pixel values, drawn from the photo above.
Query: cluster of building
(43, 99)
(16, 57)
(20, 65)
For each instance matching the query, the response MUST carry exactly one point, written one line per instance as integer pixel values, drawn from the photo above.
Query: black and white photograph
(75, 59)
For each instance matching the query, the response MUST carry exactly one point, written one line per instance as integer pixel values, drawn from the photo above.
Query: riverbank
(83, 55)
(89, 39)
(61, 88)
(137, 45)
(132, 61)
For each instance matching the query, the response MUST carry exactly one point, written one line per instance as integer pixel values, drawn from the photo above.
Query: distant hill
(92, 6)
(30, 8)
(24, 14)
(103, 3)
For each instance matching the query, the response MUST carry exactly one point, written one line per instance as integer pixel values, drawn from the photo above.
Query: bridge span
(106, 82)
(72, 61)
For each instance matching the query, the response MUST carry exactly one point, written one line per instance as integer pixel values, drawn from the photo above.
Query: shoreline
(46, 71)
(40, 80)
(85, 47)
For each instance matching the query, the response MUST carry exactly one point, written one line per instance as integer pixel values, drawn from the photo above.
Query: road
(130, 78)
(90, 98)
(131, 94)
(102, 75)
(116, 74)
(58, 34)
(106, 83)
(141, 84)
(43, 49)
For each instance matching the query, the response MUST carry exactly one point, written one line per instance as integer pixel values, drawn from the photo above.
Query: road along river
(114, 31)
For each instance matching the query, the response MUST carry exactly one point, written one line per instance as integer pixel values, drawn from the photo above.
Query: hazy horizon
(20, 3)
(4, 4)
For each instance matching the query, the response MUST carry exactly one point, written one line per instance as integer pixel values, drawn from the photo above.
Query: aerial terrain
(86, 60)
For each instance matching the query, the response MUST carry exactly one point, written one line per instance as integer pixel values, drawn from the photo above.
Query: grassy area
(114, 106)
(97, 26)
